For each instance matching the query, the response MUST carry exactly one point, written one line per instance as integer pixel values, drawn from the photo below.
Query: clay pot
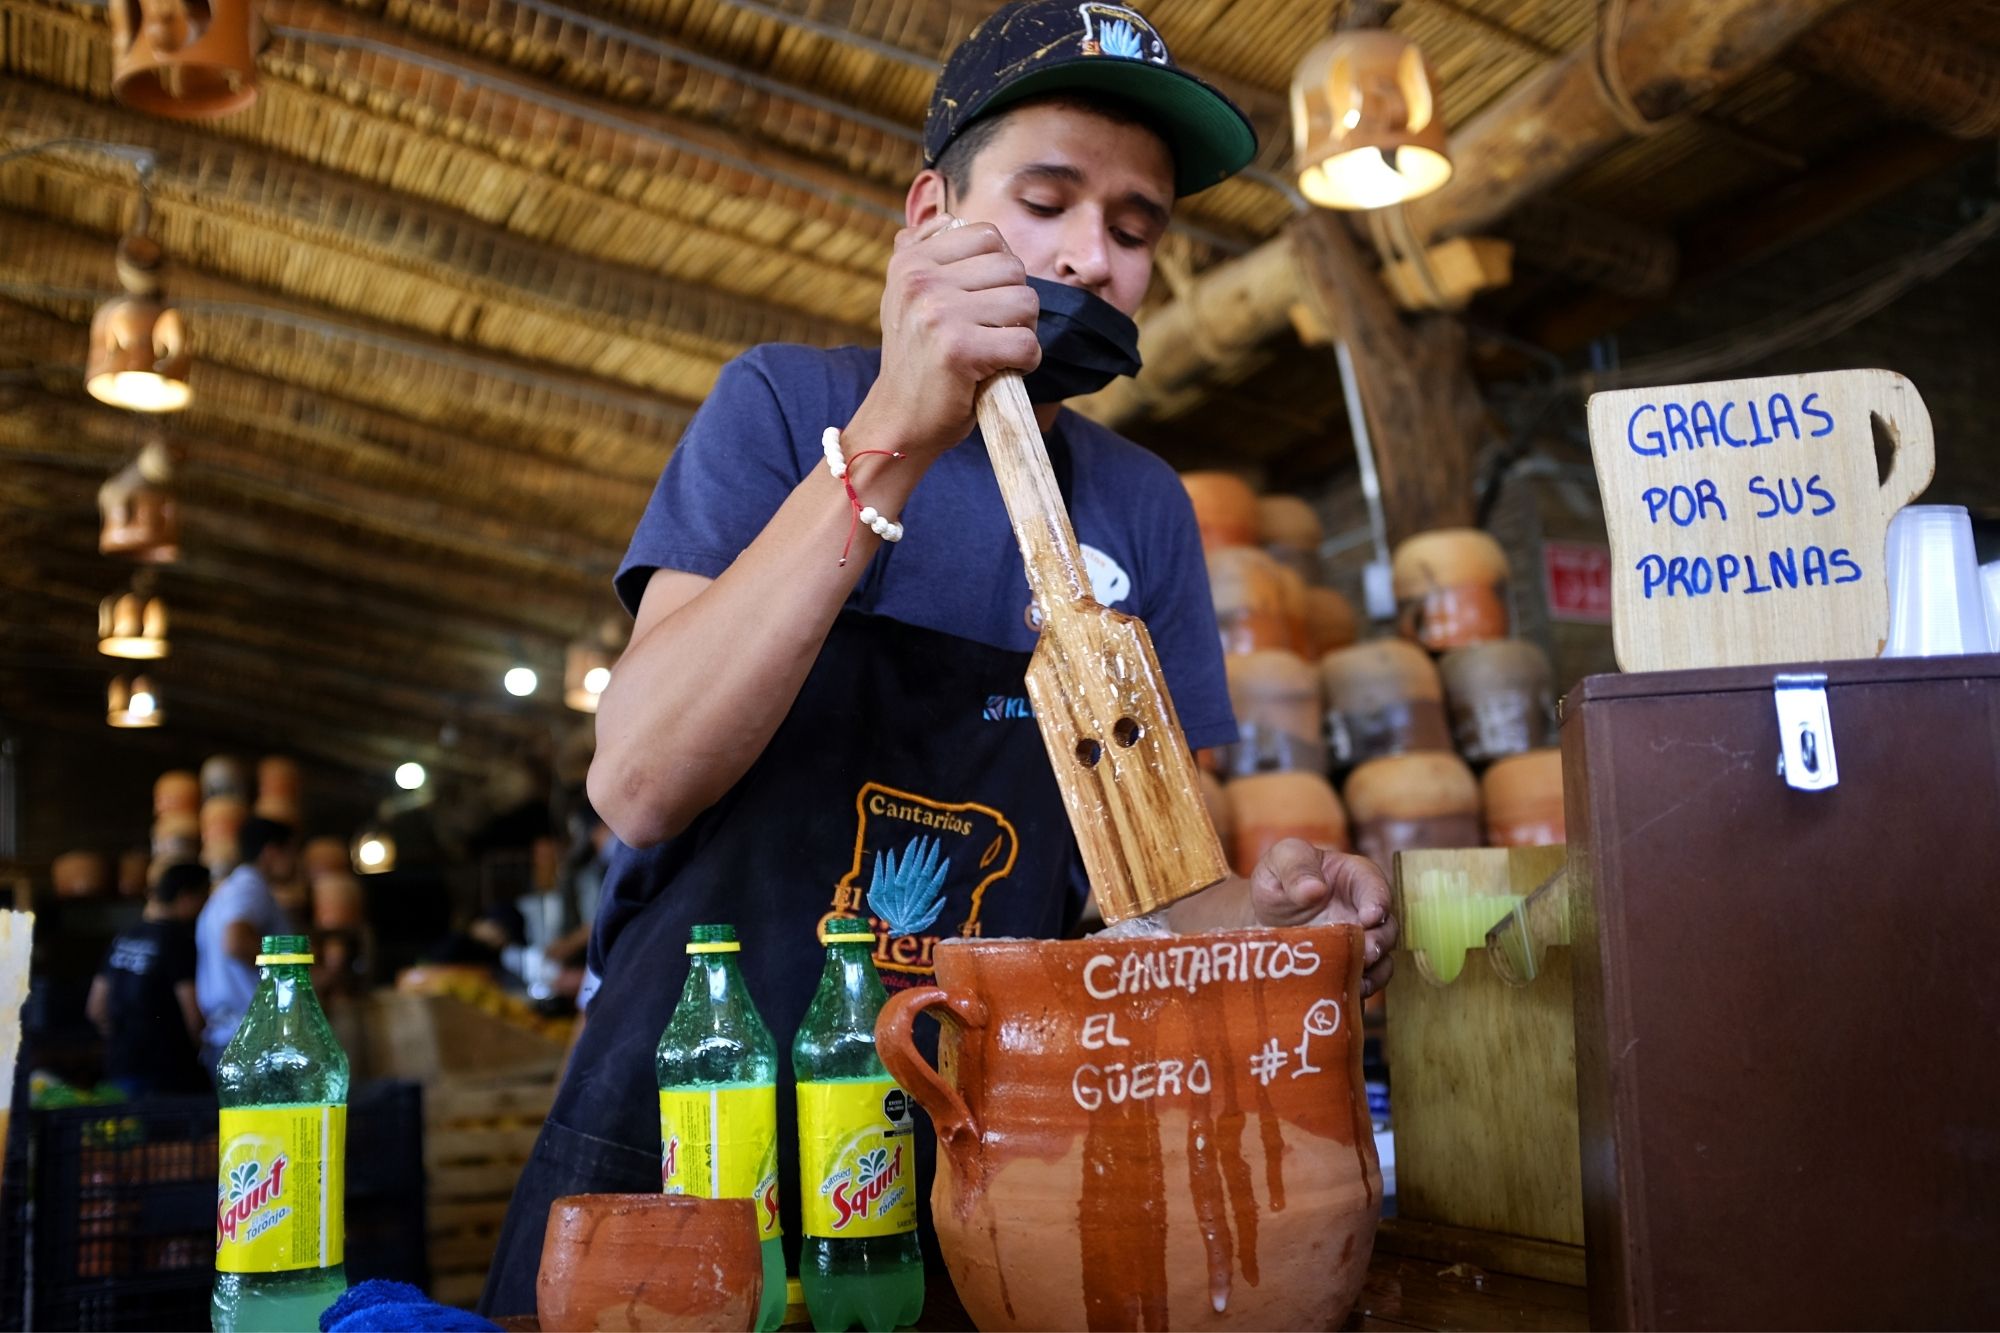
(1502, 698)
(1523, 795)
(1163, 1132)
(1225, 509)
(1382, 698)
(177, 837)
(1413, 801)
(176, 793)
(1330, 622)
(1267, 808)
(133, 868)
(81, 875)
(221, 820)
(1252, 600)
(1451, 588)
(1290, 531)
(278, 785)
(338, 902)
(649, 1261)
(1275, 695)
(1219, 813)
(1292, 600)
(225, 775)
(323, 857)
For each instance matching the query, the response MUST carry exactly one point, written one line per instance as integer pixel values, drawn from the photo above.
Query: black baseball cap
(1033, 47)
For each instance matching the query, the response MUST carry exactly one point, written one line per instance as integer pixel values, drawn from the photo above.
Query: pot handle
(895, 1042)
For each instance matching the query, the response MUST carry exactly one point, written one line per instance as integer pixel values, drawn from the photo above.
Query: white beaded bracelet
(836, 462)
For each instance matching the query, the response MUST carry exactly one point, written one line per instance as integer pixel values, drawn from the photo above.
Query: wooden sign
(1749, 518)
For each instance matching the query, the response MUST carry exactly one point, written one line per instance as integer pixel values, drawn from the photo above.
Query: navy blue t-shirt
(956, 571)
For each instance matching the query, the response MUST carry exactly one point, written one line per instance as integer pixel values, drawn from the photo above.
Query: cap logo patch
(1114, 30)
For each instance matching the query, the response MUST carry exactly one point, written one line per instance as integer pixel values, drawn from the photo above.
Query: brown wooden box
(1788, 1096)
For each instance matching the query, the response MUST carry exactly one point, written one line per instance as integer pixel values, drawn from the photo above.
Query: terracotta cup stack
(1524, 800)
(225, 775)
(1291, 533)
(1409, 802)
(176, 820)
(1382, 698)
(1451, 589)
(221, 821)
(1502, 698)
(1275, 696)
(278, 789)
(1266, 808)
(1253, 604)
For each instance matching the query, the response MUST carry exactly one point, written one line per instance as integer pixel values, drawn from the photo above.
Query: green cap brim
(1210, 138)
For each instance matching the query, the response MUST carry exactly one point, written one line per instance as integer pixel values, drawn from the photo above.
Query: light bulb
(521, 681)
(595, 679)
(372, 852)
(141, 705)
(410, 776)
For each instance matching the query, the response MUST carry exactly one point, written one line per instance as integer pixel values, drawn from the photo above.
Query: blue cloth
(376, 1306)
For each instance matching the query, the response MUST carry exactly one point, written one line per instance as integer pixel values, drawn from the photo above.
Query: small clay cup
(1451, 588)
(1267, 808)
(1330, 622)
(1225, 509)
(1502, 698)
(1253, 601)
(1291, 533)
(1409, 802)
(1275, 695)
(1523, 795)
(1382, 698)
(177, 793)
(634, 1262)
(278, 780)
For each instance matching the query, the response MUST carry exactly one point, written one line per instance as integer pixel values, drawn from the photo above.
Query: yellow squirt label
(722, 1143)
(857, 1159)
(281, 1189)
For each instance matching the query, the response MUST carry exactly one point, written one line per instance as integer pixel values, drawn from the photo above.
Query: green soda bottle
(860, 1265)
(718, 1076)
(281, 1189)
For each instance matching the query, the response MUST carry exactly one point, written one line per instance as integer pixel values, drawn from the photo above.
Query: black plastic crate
(385, 1183)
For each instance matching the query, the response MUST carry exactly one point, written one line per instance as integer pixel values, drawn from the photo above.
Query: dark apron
(901, 738)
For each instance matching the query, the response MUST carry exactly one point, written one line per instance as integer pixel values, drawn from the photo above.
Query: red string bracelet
(882, 526)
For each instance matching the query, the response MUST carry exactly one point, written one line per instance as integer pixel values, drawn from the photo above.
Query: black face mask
(1086, 343)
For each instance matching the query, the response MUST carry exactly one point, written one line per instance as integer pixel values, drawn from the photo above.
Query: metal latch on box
(1805, 732)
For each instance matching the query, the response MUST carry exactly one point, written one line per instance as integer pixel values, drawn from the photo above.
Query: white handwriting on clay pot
(1118, 1083)
(1100, 1031)
(1189, 967)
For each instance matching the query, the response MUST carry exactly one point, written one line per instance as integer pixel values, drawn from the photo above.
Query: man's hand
(956, 310)
(1298, 884)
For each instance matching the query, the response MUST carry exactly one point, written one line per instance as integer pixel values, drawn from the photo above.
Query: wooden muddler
(1127, 776)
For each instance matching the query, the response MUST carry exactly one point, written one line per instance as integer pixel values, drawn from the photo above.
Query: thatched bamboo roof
(458, 278)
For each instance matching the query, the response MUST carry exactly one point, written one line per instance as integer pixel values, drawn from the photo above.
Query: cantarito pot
(1275, 695)
(1330, 622)
(1161, 1133)
(177, 793)
(225, 775)
(1523, 795)
(1382, 698)
(1451, 588)
(1267, 808)
(1409, 802)
(1252, 600)
(634, 1262)
(81, 875)
(1502, 698)
(1225, 509)
(1291, 533)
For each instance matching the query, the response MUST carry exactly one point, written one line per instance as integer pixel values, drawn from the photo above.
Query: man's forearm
(1223, 906)
(701, 691)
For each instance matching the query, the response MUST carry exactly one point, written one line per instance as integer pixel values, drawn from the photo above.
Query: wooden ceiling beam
(1919, 73)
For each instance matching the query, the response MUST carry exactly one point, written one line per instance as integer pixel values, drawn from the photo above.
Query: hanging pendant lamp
(133, 703)
(184, 59)
(1365, 126)
(138, 356)
(140, 519)
(132, 625)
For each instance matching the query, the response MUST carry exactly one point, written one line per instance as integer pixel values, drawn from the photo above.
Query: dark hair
(258, 833)
(955, 162)
(179, 878)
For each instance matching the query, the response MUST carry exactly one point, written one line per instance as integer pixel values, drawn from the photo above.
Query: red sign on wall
(1576, 577)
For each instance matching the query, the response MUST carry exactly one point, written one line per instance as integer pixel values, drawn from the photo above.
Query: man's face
(278, 862)
(1081, 199)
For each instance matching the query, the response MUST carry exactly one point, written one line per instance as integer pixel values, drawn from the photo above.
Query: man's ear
(926, 199)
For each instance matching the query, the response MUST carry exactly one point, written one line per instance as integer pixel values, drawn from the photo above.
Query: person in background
(143, 998)
(579, 881)
(231, 928)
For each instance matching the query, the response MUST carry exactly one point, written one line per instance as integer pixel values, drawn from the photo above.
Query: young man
(788, 735)
(232, 927)
(143, 998)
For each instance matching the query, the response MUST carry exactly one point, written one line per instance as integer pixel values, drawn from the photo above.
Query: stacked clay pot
(176, 820)
(1225, 509)
(1523, 796)
(221, 820)
(1382, 698)
(1253, 600)
(1275, 696)
(1267, 808)
(81, 875)
(1291, 533)
(1502, 698)
(1451, 589)
(278, 789)
(1409, 802)
(1330, 622)
(225, 775)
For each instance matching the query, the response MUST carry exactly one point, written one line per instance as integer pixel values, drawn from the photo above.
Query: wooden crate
(1482, 1053)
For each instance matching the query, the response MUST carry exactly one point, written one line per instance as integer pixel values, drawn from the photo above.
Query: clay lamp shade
(133, 702)
(1502, 698)
(184, 59)
(1451, 588)
(1383, 697)
(138, 357)
(132, 626)
(1290, 530)
(1267, 808)
(81, 875)
(177, 793)
(649, 1261)
(1365, 126)
(1330, 622)
(1251, 600)
(373, 852)
(140, 520)
(1225, 509)
(1408, 802)
(1524, 800)
(1275, 695)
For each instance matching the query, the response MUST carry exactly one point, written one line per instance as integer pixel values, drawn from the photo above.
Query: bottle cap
(282, 959)
(845, 929)
(713, 939)
(716, 946)
(280, 950)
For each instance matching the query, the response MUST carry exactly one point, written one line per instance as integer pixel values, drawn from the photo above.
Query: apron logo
(920, 871)
(1006, 707)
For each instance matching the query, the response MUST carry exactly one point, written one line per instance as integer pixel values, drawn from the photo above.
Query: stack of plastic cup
(1937, 606)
